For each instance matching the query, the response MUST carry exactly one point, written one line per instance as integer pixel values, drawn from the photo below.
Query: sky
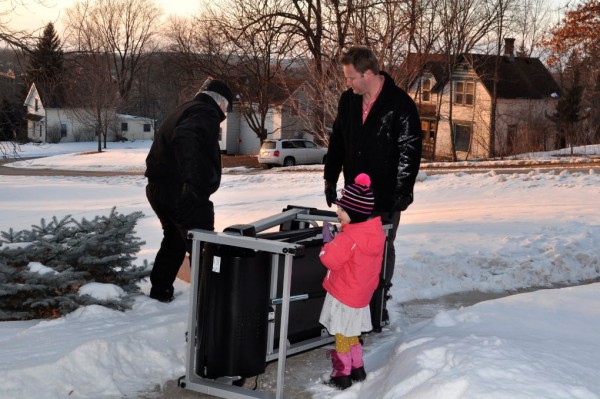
(34, 15)
(466, 232)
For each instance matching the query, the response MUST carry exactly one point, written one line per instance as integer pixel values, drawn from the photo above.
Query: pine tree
(75, 253)
(575, 38)
(568, 112)
(46, 67)
(9, 121)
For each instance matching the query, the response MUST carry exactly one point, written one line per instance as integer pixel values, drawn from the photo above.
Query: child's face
(342, 215)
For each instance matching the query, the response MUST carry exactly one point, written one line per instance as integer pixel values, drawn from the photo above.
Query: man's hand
(330, 192)
(192, 211)
(401, 202)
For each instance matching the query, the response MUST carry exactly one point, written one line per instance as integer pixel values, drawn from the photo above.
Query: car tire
(324, 159)
(289, 161)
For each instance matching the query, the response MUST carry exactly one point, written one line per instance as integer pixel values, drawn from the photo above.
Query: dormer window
(464, 92)
(426, 90)
(37, 104)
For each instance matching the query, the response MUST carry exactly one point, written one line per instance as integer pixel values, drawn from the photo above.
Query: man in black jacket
(377, 131)
(183, 169)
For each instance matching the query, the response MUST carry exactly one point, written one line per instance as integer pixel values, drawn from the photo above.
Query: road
(501, 169)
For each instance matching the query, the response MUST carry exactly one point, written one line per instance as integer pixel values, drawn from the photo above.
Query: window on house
(63, 130)
(511, 139)
(147, 127)
(464, 92)
(462, 137)
(124, 126)
(428, 128)
(287, 109)
(426, 90)
(37, 104)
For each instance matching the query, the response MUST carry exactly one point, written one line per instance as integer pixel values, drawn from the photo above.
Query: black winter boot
(342, 382)
(358, 374)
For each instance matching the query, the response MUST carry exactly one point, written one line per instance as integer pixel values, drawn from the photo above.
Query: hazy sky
(35, 16)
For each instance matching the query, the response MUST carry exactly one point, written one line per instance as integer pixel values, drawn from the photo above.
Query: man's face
(356, 80)
(223, 105)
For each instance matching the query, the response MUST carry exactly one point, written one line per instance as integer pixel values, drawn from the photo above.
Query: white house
(77, 124)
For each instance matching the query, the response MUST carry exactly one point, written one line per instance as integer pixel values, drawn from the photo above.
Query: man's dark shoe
(385, 318)
(165, 297)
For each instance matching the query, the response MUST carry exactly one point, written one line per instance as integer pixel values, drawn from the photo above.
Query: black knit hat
(357, 199)
(218, 87)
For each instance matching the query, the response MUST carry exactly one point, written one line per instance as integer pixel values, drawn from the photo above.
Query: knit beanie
(357, 199)
(218, 87)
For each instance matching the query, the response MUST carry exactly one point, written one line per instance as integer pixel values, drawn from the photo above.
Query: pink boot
(340, 376)
(357, 372)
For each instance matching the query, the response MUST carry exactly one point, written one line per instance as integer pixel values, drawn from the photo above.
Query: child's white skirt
(342, 319)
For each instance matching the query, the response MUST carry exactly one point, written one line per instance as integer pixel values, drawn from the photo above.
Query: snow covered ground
(465, 232)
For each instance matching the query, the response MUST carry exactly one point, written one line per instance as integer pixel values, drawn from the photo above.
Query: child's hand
(327, 236)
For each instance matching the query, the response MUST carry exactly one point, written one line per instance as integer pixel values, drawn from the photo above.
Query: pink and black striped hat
(357, 199)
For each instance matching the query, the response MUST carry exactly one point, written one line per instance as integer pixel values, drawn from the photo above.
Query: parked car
(290, 152)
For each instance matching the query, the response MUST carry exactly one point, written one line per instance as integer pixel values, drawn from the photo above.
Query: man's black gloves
(330, 193)
(192, 210)
(189, 196)
(401, 202)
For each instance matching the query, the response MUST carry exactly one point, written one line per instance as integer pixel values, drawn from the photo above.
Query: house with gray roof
(493, 105)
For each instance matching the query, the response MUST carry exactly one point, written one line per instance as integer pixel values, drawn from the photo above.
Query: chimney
(509, 47)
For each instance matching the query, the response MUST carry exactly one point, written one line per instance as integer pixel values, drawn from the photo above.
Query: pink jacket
(354, 261)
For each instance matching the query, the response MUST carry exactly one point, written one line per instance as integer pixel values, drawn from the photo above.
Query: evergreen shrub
(42, 269)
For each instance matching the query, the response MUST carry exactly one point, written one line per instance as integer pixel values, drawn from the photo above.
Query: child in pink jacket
(354, 259)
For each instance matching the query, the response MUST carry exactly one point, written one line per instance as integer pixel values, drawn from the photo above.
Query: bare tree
(321, 29)
(124, 30)
(16, 38)
(465, 23)
(236, 44)
(262, 53)
(93, 95)
(531, 21)
(503, 11)
(202, 48)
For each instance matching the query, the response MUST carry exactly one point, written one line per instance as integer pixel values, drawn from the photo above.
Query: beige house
(77, 124)
(525, 91)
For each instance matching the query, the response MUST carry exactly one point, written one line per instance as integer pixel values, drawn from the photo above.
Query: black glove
(401, 202)
(192, 210)
(330, 192)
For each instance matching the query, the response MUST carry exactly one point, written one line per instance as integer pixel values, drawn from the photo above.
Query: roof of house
(125, 117)
(518, 77)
